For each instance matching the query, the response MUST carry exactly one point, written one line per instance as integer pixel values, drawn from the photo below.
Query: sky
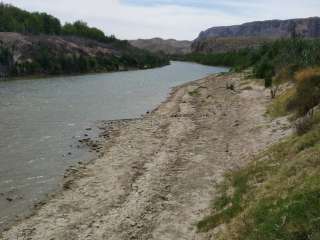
(178, 19)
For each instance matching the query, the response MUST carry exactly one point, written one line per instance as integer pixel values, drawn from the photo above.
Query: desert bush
(308, 90)
(306, 73)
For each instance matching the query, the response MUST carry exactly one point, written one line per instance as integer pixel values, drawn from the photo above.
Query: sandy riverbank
(157, 176)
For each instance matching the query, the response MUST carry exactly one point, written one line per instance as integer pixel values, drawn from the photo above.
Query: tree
(81, 29)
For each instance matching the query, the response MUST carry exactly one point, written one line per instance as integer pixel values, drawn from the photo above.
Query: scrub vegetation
(277, 196)
(279, 59)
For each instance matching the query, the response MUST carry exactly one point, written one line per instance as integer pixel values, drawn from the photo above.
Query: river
(41, 121)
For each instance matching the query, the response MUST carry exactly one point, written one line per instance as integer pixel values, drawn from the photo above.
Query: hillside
(169, 46)
(222, 39)
(227, 44)
(37, 43)
(22, 55)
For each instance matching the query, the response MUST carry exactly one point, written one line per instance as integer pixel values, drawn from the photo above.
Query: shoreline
(107, 130)
(95, 146)
(74, 152)
(45, 76)
(177, 120)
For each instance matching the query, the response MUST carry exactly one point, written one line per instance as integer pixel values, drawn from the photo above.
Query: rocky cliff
(169, 46)
(220, 39)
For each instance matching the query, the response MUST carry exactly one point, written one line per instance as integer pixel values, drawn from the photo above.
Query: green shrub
(264, 69)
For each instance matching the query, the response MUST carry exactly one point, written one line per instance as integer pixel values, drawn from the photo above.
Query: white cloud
(168, 20)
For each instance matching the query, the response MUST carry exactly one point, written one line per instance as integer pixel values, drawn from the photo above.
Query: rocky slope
(221, 39)
(23, 45)
(227, 44)
(169, 46)
(22, 55)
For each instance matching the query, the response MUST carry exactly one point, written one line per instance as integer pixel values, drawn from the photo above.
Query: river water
(41, 121)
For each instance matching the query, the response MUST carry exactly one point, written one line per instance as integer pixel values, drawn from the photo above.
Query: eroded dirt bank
(158, 174)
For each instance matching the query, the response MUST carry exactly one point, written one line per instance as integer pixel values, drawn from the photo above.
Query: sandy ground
(158, 175)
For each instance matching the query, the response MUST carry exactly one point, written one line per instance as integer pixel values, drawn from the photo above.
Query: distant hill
(221, 39)
(169, 46)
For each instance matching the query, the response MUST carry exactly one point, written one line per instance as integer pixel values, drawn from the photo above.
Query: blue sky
(179, 19)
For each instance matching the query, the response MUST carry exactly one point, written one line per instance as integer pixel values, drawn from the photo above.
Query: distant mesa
(222, 39)
(236, 37)
(169, 46)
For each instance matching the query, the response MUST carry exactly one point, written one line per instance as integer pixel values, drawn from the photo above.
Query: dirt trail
(158, 174)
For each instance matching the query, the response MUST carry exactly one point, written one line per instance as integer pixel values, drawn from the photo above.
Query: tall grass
(275, 197)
